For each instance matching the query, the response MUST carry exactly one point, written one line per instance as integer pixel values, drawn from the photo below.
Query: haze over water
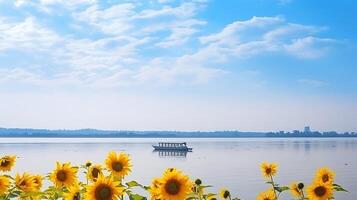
(221, 162)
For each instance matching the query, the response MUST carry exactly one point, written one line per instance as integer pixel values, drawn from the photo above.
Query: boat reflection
(168, 153)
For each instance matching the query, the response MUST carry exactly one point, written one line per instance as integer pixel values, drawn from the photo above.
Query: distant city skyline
(187, 65)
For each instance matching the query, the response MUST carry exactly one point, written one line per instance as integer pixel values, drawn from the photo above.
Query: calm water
(229, 162)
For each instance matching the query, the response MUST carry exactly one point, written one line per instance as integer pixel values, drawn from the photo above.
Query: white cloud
(267, 34)
(181, 32)
(113, 20)
(26, 36)
(50, 6)
(127, 36)
(185, 10)
(309, 47)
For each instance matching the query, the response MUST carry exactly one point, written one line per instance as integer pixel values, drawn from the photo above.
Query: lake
(222, 162)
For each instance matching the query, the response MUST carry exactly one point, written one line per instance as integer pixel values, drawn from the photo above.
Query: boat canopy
(172, 144)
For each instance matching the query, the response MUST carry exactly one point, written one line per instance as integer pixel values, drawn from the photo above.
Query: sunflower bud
(300, 186)
(226, 194)
(88, 164)
(198, 181)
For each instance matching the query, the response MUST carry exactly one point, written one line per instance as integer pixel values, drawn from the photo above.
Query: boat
(171, 146)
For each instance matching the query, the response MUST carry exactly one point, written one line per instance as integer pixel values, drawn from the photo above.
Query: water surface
(222, 162)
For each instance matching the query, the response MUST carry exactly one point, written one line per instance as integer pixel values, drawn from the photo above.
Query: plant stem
(302, 194)
(8, 195)
(273, 184)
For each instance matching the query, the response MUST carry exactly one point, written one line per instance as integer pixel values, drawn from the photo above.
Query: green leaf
(192, 196)
(204, 186)
(136, 197)
(133, 184)
(339, 188)
(209, 195)
(282, 188)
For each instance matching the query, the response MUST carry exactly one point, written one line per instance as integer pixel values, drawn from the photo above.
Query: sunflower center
(320, 191)
(77, 196)
(61, 175)
(103, 192)
(172, 187)
(95, 172)
(4, 163)
(268, 170)
(226, 194)
(325, 178)
(117, 166)
(23, 183)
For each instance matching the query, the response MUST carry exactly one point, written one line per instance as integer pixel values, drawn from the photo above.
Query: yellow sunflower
(94, 172)
(7, 162)
(294, 189)
(154, 189)
(38, 181)
(26, 182)
(64, 175)
(30, 197)
(118, 164)
(319, 191)
(4, 184)
(325, 175)
(267, 195)
(73, 193)
(174, 185)
(268, 169)
(104, 189)
(224, 194)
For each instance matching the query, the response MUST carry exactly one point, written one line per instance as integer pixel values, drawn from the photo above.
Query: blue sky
(254, 65)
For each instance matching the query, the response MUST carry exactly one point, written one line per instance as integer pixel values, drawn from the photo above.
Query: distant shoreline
(130, 137)
(95, 133)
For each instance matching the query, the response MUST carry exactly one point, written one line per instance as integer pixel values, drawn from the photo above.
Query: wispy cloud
(115, 44)
(268, 34)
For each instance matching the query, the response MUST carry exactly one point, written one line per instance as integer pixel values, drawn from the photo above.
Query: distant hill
(23, 132)
(18, 132)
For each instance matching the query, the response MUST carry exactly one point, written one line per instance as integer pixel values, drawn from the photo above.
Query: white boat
(172, 146)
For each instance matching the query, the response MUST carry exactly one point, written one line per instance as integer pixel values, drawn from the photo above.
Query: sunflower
(64, 175)
(26, 182)
(7, 162)
(103, 189)
(224, 194)
(4, 184)
(325, 175)
(29, 197)
(267, 195)
(73, 193)
(268, 169)
(118, 164)
(154, 189)
(294, 189)
(93, 172)
(174, 185)
(38, 181)
(319, 191)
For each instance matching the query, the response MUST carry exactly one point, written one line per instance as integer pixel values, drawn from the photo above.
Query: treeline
(17, 132)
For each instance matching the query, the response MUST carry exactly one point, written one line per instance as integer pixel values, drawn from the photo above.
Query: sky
(248, 65)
